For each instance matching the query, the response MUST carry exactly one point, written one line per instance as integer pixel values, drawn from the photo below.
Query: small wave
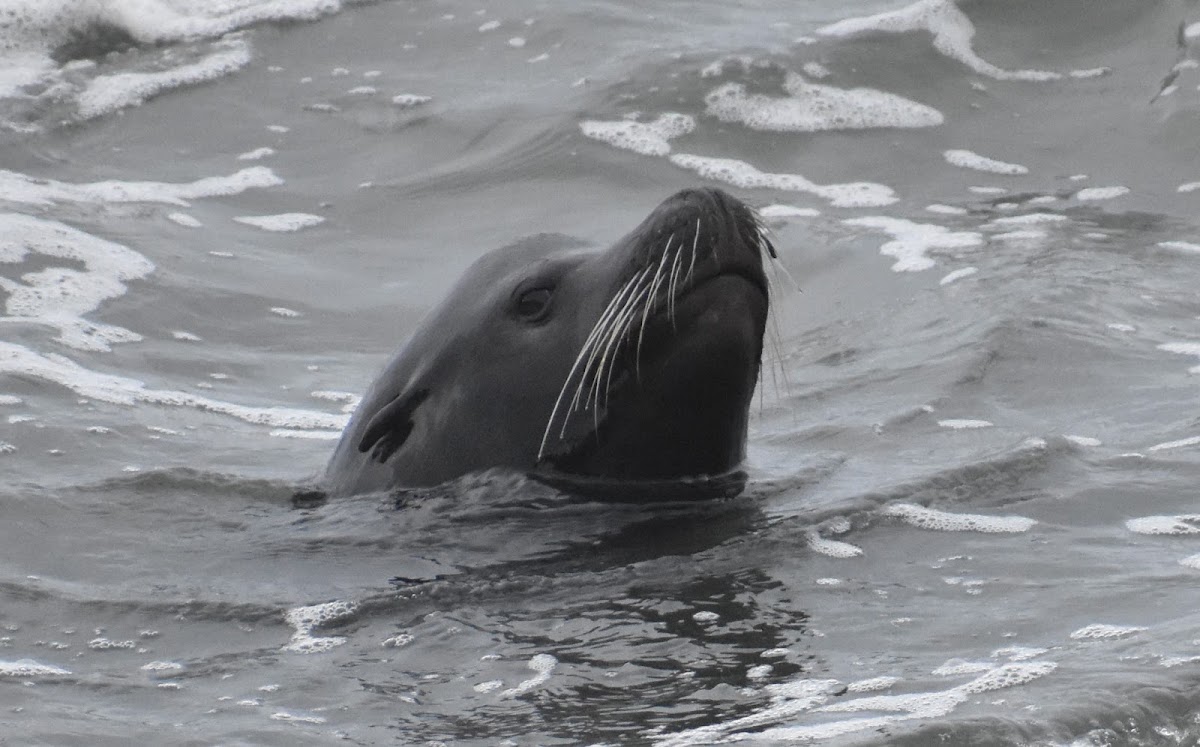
(19, 188)
(122, 390)
(951, 29)
(176, 479)
(55, 50)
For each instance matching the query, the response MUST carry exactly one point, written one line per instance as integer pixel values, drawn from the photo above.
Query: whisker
(603, 352)
(695, 243)
(588, 345)
(618, 330)
(673, 285)
(658, 278)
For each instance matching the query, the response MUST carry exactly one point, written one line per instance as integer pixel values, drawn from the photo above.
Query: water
(972, 516)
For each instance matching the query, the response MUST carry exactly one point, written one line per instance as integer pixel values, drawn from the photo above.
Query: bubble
(646, 138)
(968, 160)
(928, 518)
(282, 223)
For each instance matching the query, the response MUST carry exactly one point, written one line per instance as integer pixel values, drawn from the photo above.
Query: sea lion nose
(703, 198)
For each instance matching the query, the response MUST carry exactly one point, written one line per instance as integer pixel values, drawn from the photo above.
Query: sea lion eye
(533, 304)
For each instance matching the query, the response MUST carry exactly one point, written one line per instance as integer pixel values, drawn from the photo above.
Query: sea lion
(637, 363)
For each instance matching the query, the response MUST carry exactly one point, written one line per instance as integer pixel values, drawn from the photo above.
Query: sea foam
(912, 241)
(812, 107)
(952, 33)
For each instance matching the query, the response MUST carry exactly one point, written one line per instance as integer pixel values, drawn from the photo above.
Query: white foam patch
(1029, 219)
(779, 210)
(832, 548)
(872, 685)
(1180, 246)
(1103, 631)
(162, 666)
(297, 718)
(1182, 348)
(285, 312)
(944, 521)
(960, 667)
(1027, 235)
(946, 209)
(15, 187)
(646, 138)
(1165, 525)
(184, 220)
(30, 668)
(1100, 193)
(58, 297)
(1117, 326)
(960, 424)
(107, 93)
(987, 190)
(911, 241)
(790, 700)
(951, 29)
(1181, 443)
(281, 223)
(1019, 653)
(410, 100)
(1191, 561)
(305, 619)
(968, 160)
(10, 399)
(744, 176)
(309, 435)
(759, 672)
(1188, 187)
(958, 275)
(815, 70)
(120, 390)
(543, 665)
(256, 155)
(1083, 440)
(107, 644)
(813, 107)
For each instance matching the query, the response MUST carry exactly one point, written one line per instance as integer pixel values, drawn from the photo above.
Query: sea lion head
(634, 363)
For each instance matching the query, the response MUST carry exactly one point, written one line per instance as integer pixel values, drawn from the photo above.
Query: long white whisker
(695, 243)
(588, 345)
(600, 334)
(658, 278)
(673, 285)
(620, 330)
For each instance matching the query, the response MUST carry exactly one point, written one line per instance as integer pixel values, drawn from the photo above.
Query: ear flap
(388, 429)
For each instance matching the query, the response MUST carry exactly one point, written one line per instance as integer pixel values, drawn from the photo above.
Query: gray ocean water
(973, 514)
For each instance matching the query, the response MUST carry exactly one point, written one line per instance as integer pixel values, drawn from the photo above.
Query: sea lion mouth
(700, 251)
